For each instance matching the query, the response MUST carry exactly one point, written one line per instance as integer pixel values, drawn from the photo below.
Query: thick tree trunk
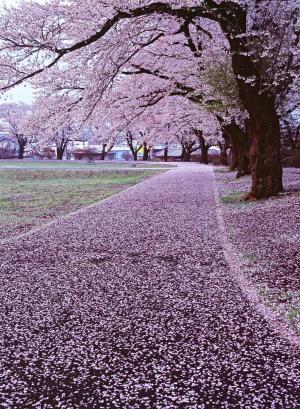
(21, 150)
(187, 150)
(234, 155)
(244, 167)
(256, 150)
(239, 148)
(59, 153)
(166, 152)
(223, 146)
(103, 152)
(183, 154)
(145, 154)
(133, 150)
(146, 151)
(60, 150)
(265, 157)
(187, 156)
(223, 154)
(264, 130)
(204, 147)
(204, 155)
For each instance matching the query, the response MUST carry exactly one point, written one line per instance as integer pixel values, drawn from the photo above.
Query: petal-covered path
(131, 304)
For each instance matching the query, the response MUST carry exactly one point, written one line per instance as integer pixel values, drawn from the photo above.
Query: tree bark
(146, 151)
(134, 150)
(59, 153)
(264, 130)
(265, 156)
(103, 151)
(22, 142)
(237, 140)
(223, 146)
(244, 167)
(187, 156)
(203, 147)
(204, 155)
(187, 150)
(233, 163)
(166, 152)
(21, 150)
(60, 150)
(183, 154)
(145, 154)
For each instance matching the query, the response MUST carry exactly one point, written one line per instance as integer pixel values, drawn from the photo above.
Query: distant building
(84, 150)
(79, 150)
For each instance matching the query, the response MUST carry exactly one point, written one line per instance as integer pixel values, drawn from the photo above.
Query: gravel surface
(131, 304)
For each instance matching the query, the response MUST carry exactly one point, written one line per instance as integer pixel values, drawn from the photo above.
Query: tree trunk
(223, 152)
(204, 147)
(265, 156)
(244, 167)
(239, 147)
(234, 154)
(187, 155)
(145, 154)
(204, 155)
(256, 150)
(60, 150)
(21, 150)
(134, 150)
(166, 152)
(59, 153)
(146, 151)
(103, 151)
(264, 130)
(183, 154)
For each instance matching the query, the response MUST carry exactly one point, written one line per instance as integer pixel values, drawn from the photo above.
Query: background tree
(14, 117)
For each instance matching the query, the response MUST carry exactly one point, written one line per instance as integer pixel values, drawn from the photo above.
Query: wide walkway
(130, 304)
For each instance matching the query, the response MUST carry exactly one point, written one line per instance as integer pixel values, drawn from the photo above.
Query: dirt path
(131, 304)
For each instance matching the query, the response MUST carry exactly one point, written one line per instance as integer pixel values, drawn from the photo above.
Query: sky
(22, 93)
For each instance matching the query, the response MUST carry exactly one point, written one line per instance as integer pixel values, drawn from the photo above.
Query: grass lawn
(31, 196)
(80, 165)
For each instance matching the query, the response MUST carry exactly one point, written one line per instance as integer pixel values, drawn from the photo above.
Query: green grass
(233, 197)
(77, 165)
(221, 170)
(284, 303)
(249, 257)
(294, 317)
(30, 197)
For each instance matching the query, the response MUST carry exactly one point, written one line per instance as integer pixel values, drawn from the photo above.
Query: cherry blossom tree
(99, 129)
(98, 135)
(53, 124)
(133, 144)
(14, 117)
(49, 44)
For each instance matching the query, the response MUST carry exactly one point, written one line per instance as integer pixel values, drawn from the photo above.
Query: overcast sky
(21, 93)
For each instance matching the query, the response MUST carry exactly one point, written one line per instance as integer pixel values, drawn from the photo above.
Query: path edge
(246, 286)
